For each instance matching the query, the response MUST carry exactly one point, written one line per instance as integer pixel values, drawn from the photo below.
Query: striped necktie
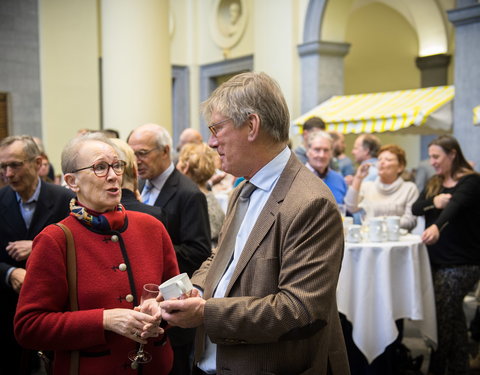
(147, 192)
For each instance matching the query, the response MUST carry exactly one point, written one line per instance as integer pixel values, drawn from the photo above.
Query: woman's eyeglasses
(101, 168)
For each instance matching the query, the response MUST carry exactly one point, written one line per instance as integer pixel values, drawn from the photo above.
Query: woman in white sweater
(389, 194)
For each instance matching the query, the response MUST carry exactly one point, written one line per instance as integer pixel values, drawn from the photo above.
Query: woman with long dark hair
(451, 205)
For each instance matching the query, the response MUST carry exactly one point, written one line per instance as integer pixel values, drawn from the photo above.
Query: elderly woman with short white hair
(117, 252)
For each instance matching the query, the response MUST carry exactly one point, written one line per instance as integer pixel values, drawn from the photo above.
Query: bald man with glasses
(27, 205)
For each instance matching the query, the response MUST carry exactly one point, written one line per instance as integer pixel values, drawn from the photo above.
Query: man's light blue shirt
(27, 209)
(150, 196)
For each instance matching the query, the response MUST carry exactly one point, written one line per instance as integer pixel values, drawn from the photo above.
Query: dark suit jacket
(130, 202)
(187, 223)
(52, 206)
(185, 207)
(280, 313)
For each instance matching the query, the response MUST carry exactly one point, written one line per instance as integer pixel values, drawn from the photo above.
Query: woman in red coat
(116, 253)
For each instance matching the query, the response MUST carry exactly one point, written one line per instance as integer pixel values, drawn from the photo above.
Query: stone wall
(20, 65)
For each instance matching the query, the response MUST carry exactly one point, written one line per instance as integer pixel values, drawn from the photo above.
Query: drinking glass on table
(150, 306)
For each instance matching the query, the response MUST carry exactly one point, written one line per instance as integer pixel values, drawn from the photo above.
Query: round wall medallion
(228, 21)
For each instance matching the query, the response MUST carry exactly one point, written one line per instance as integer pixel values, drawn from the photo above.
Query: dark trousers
(451, 285)
(384, 364)
(182, 359)
(197, 371)
(14, 360)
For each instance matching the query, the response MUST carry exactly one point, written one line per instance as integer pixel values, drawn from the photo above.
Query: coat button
(122, 267)
(114, 238)
(129, 298)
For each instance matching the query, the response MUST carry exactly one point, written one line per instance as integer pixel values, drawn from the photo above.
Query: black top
(133, 204)
(188, 225)
(459, 241)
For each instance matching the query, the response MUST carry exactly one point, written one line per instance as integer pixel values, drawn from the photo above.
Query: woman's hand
(431, 235)
(440, 201)
(362, 172)
(133, 324)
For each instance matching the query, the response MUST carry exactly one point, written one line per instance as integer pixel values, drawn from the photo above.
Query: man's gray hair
(319, 134)
(72, 149)
(162, 136)
(249, 93)
(371, 143)
(30, 148)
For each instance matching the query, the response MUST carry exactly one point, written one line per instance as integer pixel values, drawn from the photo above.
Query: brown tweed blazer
(280, 315)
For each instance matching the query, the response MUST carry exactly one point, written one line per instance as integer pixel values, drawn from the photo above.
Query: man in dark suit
(269, 289)
(130, 196)
(185, 207)
(27, 205)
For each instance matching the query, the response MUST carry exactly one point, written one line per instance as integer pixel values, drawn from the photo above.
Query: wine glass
(343, 210)
(148, 305)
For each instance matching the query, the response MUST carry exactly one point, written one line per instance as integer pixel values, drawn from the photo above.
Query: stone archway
(324, 47)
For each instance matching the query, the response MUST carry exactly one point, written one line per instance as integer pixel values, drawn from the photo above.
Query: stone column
(466, 19)
(136, 71)
(434, 69)
(434, 72)
(322, 71)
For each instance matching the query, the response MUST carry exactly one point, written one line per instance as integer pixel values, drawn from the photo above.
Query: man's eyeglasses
(212, 128)
(141, 154)
(15, 165)
(101, 168)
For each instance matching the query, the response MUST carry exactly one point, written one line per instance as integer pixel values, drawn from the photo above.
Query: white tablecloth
(382, 282)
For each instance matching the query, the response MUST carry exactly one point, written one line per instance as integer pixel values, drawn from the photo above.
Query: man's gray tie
(226, 248)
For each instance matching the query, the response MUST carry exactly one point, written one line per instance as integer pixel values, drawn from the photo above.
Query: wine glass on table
(148, 305)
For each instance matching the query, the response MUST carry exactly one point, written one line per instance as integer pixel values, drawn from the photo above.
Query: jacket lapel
(168, 190)
(267, 217)
(11, 211)
(213, 277)
(43, 210)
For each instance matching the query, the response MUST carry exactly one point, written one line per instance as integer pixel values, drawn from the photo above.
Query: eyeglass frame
(141, 154)
(212, 126)
(122, 163)
(17, 165)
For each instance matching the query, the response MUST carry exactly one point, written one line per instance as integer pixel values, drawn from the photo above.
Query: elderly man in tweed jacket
(267, 302)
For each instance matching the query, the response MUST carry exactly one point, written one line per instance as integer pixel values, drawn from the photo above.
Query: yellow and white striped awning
(387, 111)
(476, 115)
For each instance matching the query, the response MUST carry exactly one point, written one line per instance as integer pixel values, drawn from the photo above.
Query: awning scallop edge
(425, 110)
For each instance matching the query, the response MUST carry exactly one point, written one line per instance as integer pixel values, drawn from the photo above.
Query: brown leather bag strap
(71, 268)
(72, 288)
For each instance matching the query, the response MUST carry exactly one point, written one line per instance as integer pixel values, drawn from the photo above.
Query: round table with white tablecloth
(381, 282)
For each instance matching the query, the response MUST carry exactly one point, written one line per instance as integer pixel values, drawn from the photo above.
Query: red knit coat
(43, 320)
